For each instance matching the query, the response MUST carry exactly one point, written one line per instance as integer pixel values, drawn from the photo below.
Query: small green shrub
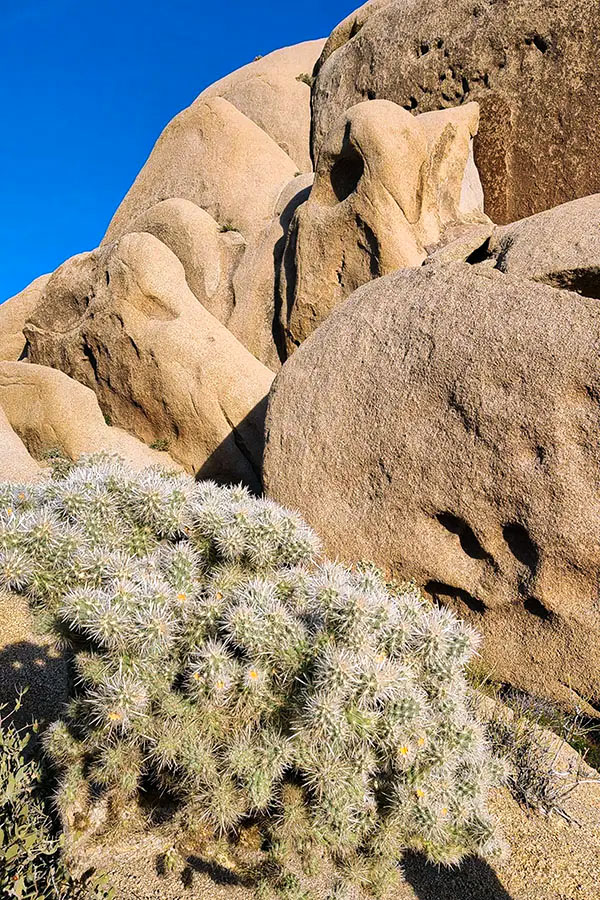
(221, 660)
(160, 444)
(31, 865)
(305, 78)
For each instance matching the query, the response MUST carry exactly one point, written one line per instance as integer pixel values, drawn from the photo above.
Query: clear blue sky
(86, 87)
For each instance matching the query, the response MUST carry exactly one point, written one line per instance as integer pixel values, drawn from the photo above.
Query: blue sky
(86, 86)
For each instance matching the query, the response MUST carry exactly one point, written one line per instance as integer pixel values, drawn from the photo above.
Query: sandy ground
(26, 658)
(550, 859)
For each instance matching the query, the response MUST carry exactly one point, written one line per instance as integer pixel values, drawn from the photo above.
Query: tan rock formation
(48, 410)
(234, 280)
(14, 312)
(208, 255)
(215, 156)
(15, 462)
(348, 28)
(444, 423)
(123, 321)
(522, 61)
(274, 91)
(560, 246)
(255, 318)
(387, 185)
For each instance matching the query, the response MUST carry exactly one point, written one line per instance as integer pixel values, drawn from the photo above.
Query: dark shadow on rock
(241, 453)
(474, 879)
(286, 261)
(25, 664)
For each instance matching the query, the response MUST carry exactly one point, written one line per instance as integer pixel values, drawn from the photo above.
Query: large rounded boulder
(14, 313)
(443, 422)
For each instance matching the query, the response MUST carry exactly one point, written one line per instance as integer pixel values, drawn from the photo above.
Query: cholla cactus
(222, 659)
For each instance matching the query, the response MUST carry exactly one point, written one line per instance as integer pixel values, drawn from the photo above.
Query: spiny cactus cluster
(220, 659)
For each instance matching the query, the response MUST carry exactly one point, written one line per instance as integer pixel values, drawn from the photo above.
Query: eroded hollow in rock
(346, 172)
(535, 606)
(468, 540)
(442, 593)
(582, 281)
(521, 545)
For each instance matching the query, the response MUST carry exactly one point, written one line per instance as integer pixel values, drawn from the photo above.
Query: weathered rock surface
(274, 91)
(560, 247)
(462, 243)
(255, 319)
(215, 156)
(123, 321)
(532, 65)
(14, 312)
(386, 187)
(208, 255)
(444, 422)
(49, 411)
(348, 28)
(235, 281)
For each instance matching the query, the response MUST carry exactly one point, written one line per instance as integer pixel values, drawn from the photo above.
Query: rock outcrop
(50, 411)
(444, 419)
(215, 156)
(387, 185)
(274, 91)
(531, 65)
(123, 321)
(256, 318)
(443, 422)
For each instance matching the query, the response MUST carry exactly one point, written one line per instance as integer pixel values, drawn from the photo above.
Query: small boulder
(15, 462)
(560, 247)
